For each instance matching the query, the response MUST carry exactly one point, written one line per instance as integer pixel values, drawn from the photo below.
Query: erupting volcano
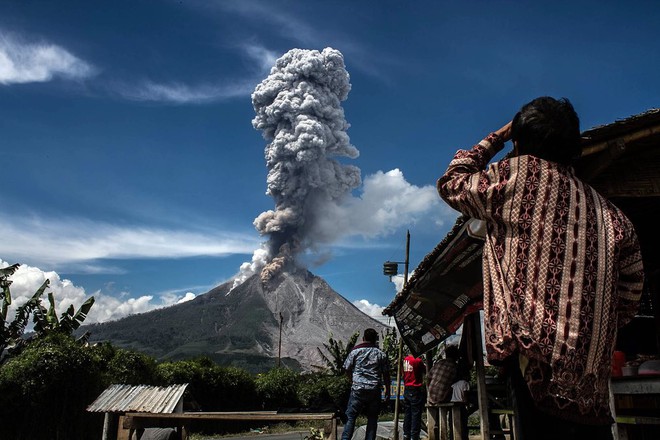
(298, 110)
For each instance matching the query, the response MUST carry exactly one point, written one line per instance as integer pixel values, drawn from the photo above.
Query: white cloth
(459, 391)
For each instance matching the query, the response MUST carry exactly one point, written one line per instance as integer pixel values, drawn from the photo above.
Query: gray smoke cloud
(298, 110)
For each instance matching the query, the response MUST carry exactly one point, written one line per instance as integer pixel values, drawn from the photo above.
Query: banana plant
(46, 320)
(337, 353)
(11, 333)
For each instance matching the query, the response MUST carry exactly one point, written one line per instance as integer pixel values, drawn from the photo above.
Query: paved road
(294, 435)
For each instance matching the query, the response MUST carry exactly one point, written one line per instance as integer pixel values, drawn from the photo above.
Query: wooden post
(432, 422)
(444, 422)
(456, 425)
(474, 320)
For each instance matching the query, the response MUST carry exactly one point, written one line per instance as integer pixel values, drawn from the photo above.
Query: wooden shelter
(622, 161)
(119, 399)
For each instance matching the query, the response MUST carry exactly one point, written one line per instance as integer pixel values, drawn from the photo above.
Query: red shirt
(413, 371)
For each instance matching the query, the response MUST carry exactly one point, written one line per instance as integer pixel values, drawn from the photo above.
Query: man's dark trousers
(413, 405)
(367, 401)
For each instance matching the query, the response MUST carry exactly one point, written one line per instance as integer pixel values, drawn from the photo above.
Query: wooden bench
(134, 421)
(437, 421)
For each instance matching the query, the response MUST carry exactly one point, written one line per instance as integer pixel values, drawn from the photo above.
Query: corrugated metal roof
(138, 398)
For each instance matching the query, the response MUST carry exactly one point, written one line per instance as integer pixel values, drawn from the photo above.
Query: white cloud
(23, 62)
(373, 310)
(78, 242)
(367, 308)
(387, 203)
(189, 296)
(397, 280)
(26, 280)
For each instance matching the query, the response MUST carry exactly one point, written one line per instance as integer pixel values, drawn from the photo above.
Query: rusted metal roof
(138, 398)
(621, 127)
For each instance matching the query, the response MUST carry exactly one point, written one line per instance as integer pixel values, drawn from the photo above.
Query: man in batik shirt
(562, 269)
(369, 369)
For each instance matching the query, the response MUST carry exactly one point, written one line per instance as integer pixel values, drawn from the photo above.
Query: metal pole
(279, 350)
(400, 350)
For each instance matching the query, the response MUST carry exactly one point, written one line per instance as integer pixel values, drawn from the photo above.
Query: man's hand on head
(505, 132)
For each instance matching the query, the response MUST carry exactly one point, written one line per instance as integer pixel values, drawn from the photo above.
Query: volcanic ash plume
(298, 109)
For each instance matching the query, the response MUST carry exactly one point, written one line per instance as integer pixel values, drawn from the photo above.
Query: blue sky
(131, 170)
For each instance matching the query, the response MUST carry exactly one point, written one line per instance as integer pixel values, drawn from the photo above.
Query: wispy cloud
(286, 24)
(182, 93)
(179, 93)
(76, 242)
(264, 57)
(27, 62)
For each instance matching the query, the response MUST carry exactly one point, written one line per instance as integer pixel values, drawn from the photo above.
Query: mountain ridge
(241, 327)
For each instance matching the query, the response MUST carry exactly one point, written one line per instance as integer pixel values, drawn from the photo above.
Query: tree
(11, 333)
(391, 347)
(45, 389)
(45, 320)
(337, 353)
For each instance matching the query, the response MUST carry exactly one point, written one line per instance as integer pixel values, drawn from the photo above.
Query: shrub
(45, 389)
(132, 368)
(215, 388)
(278, 388)
(322, 392)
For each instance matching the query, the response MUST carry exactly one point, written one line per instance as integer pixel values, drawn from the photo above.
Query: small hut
(119, 399)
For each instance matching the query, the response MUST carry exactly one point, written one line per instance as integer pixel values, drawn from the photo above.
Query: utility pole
(279, 350)
(395, 434)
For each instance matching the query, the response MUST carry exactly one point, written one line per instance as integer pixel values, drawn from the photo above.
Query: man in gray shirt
(368, 368)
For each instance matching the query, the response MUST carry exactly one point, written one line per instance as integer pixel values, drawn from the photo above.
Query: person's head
(549, 129)
(452, 352)
(370, 335)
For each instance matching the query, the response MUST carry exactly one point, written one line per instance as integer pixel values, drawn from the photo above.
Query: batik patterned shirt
(562, 270)
(368, 365)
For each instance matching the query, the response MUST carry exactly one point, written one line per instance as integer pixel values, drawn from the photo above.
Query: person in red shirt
(414, 396)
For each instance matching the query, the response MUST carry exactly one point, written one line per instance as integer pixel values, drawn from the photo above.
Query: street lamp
(391, 268)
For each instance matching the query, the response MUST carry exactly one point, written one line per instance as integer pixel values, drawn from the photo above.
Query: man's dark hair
(452, 352)
(370, 335)
(549, 129)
